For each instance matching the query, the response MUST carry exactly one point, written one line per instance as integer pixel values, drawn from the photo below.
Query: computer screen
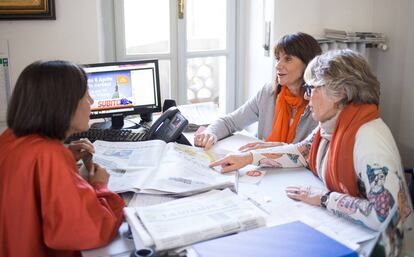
(120, 89)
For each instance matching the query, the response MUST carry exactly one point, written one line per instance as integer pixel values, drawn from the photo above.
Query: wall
(310, 16)
(314, 15)
(258, 69)
(395, 69)
(72, 36)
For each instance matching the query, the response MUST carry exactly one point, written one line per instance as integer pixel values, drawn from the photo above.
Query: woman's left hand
(81, 148)
(309, 194)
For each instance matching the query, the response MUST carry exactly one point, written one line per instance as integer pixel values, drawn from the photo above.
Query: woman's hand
(258, 145)
(309, 194)
(233, 162)
(81, 148)
(205, 140)
(98, 174)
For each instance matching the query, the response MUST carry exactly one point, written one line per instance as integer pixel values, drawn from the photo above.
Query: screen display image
(122, 89)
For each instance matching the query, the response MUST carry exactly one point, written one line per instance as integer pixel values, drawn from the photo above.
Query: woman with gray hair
(352, 150)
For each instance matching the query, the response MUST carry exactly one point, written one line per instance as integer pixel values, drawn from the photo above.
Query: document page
(346, 232)
(185, 169)
(336, 227)
(128, 155)
(201, 113)
(154, 167)
(128, 163)
(188, 220)
(141, 200)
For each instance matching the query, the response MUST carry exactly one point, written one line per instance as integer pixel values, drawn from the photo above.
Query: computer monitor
(120, 89)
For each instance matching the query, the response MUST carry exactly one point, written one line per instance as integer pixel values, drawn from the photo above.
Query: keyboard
(114, 135)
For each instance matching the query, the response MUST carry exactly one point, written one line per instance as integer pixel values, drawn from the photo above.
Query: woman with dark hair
(47, 208)
(280, 109)
(352, 150)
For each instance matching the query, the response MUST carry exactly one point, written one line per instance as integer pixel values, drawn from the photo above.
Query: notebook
(288, 240)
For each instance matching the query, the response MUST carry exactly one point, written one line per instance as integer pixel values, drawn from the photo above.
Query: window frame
(230, 94)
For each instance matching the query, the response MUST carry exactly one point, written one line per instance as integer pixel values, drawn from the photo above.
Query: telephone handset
(169, 127)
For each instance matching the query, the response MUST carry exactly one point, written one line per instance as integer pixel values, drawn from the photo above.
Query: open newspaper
(155, 167)
(192, 219)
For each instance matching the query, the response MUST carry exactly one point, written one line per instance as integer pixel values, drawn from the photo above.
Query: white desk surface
(269, 192)
(121, 246)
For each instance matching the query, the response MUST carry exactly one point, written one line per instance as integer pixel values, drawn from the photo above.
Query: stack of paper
(371, 36)
(348, 36)
(192, 219)
(341, 35)
(200, 114)
(155, 167)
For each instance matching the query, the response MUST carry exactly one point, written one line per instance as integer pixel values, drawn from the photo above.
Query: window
(196, 52)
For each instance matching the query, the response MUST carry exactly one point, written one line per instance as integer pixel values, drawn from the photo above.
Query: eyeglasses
(308, 89)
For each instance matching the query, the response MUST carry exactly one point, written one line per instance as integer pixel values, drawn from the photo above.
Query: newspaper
(141, 200)
(192, 219)
(200, 113)
(155, 167)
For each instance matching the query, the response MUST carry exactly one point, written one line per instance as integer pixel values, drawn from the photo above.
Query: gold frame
(27, 9)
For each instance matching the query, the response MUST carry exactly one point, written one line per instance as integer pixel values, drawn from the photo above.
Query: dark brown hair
(45, 98)
(300, 44)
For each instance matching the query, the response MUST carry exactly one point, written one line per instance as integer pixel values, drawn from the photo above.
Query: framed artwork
(27, 9)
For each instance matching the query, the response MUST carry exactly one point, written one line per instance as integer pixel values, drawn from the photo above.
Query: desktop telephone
(169, 127)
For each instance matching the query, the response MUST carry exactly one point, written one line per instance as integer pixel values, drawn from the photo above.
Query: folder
(288, 240)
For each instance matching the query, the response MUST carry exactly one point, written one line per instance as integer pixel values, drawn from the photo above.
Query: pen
(87, 161)
(257, 204)
(87, 158)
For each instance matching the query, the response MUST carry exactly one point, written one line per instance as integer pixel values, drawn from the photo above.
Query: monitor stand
(146, 117)
(116, 122)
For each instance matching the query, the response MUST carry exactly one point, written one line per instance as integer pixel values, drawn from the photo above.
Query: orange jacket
(47, 208)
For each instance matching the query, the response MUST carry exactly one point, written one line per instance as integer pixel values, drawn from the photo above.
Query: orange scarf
(282, 131)
(340, 173)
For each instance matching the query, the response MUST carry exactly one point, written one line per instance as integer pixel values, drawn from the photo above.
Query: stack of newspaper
(200, 114)
(155, 167)
(348, 36)
(192, 219)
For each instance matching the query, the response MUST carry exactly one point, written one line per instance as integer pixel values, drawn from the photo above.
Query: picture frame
(27, 10)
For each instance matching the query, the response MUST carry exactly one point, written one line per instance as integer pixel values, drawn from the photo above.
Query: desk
(270, 194)
(121, 246)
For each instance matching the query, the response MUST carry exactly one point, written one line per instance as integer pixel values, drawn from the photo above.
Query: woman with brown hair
(47, 208)
(280, 109)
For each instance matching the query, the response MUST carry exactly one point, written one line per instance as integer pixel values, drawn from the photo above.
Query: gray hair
(346, 74)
